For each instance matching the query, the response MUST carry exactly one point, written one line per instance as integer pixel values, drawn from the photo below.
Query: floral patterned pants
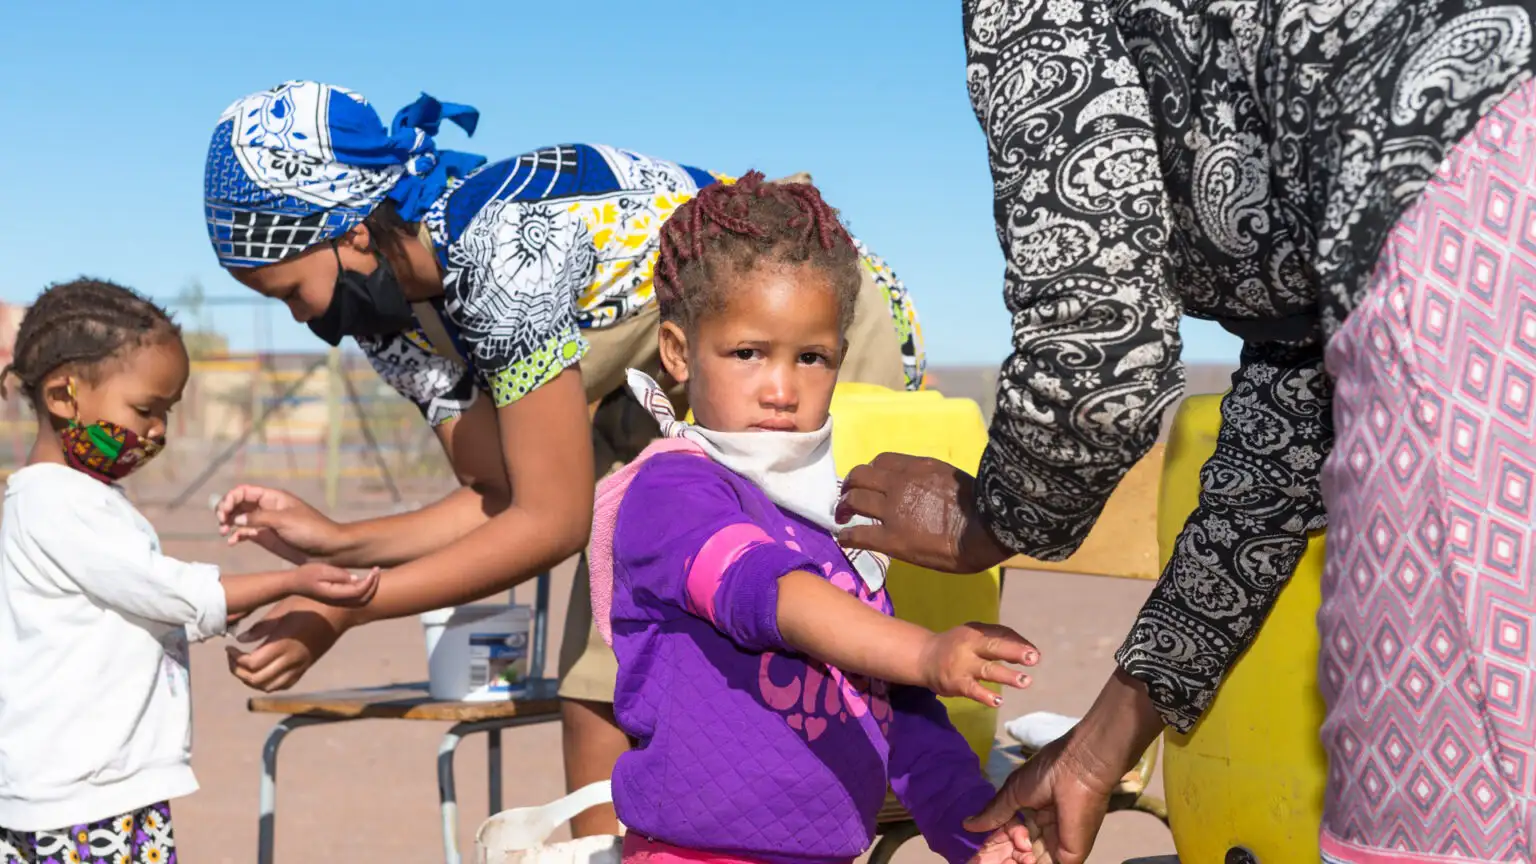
(141, 837)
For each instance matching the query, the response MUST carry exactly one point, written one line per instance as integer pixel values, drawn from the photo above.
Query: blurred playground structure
(302, 419)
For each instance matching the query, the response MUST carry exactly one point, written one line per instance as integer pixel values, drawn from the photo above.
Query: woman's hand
(1068, 797)
(334, 586)
(1020, 840)
(298, 632)
(278, 522)
(1068, 783)
(926, 514)
(958, 661)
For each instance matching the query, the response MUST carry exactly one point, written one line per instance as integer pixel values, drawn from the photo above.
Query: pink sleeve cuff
(718, 554)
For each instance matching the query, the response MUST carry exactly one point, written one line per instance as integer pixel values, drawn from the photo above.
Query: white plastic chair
(519, 835)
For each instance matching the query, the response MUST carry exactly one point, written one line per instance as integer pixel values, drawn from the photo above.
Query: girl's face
(768, 361)
(136, 391)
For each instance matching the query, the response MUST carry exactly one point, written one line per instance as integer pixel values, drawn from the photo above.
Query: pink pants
(1429, 592)
(639, 850)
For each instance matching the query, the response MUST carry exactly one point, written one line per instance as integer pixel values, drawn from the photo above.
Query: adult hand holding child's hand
(1020, 840)
(958, 661)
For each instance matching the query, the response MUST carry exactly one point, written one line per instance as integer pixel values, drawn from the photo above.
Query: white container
(477, 653)
(521, 835)
(1039, 728)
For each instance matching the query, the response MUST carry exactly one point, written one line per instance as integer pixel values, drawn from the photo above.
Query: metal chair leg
(891, 840)
(1141, 803)
(266, 826)
(493, 768)
(447, 792)
(447, 795)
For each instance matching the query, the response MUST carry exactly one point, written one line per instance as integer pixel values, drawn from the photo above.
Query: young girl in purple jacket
(773, 696)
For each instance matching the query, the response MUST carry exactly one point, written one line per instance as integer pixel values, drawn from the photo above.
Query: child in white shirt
(95, 717)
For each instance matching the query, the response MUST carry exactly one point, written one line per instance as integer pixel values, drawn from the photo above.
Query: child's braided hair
(733, 227)
(82, 324)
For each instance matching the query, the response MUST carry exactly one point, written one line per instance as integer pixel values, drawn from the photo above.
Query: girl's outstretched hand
(958, 661)
(334, 586)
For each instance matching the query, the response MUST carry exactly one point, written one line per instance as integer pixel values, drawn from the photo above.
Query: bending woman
(505, 300)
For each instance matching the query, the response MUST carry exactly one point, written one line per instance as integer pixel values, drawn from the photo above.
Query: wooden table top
(409, 702)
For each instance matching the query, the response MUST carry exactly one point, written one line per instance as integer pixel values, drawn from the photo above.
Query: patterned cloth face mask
(105, 450)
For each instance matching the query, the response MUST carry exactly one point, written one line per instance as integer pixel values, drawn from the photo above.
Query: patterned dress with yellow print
(538, 249)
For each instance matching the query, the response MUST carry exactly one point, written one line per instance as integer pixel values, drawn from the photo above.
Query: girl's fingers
(1002, 673)
(996, 848)
(1018, 833)
(246, 676)
(374, 579)
(977, 693)
(1004, 643)
(264, 655)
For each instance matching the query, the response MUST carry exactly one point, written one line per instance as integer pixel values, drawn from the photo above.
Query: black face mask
(371, 305)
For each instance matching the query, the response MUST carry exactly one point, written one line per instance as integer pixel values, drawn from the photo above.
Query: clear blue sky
(107, 107)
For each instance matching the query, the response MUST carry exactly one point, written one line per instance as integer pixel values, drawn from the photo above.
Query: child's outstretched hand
(333, 585)
(1021, 841)
(957, 661)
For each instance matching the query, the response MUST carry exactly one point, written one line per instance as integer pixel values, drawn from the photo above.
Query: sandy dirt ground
(367, 790)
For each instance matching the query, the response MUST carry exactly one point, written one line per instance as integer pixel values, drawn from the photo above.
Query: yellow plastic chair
(869, 420)
(1247, 784)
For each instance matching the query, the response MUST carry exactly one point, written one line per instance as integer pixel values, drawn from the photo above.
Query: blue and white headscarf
(304, 162)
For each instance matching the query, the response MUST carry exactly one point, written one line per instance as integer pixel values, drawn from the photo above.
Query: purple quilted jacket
(746, 748)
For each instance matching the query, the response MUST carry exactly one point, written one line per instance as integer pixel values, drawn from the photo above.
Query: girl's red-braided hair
(735, 227)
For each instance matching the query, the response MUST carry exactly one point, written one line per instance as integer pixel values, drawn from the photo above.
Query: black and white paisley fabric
(1259, 498)
(1234, 160)
(1082, 219)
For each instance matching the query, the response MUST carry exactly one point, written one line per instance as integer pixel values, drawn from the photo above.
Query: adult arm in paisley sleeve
(1260, 496)
(1082, 218)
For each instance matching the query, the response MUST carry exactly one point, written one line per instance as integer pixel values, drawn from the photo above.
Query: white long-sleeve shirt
(95, 714)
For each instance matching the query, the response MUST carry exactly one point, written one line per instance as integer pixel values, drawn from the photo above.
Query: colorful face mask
(107, 451)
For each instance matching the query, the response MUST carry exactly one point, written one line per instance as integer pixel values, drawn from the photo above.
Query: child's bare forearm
(247, 592)
(819, 619)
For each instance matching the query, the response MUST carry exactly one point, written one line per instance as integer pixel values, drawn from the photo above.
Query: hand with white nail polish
(961, 660)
